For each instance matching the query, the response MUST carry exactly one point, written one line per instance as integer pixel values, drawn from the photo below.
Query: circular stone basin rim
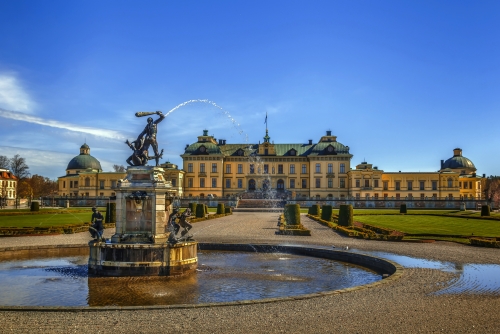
(388, 269)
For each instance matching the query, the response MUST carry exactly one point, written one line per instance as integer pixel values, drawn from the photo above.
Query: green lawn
(45, 220)
(436, 225)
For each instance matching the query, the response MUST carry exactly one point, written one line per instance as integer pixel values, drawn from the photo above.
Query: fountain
(143, 245)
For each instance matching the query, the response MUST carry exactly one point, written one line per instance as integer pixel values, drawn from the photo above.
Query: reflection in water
(221, 277)
(473, 278)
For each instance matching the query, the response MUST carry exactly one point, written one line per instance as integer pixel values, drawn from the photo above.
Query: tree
(4, 162)
(492, 190)
(119, 168)
(19, 167)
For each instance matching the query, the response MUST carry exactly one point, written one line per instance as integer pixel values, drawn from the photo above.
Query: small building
(8, 187)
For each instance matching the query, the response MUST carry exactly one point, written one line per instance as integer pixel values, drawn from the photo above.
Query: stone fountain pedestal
(140, 245)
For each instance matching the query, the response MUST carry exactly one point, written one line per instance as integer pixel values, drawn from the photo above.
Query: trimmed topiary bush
(35, 206)
(346, 215)
(402, 208)
(192, 206)
(206, 208)
(200, 211)
(485, 210)
(110, 213)
(292, 214)
(314, 210)
(220, 208)
(326, 212)
(228, 210)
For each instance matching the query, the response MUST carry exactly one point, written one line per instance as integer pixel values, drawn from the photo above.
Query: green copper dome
(84, 160)
(458, 162)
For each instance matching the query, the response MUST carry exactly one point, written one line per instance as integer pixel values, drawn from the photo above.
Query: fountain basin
(110, 259)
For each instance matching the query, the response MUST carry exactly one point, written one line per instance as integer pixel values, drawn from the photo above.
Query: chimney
(310, 141)
(484, 175)
(224, 142)
(442, 164)
(221, 142)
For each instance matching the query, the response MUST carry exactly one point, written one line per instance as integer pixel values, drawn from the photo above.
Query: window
(266, 151)
(228, 169)
(292, 183)
(202, 167)
(214, 182)
(304, 183)
(214, 168)
(75, 184)
(422, 196)
(398, 196)
(190, 182)
(87, 182)
(318, 183)
(342, 168)
(228, 183)
(240, 183)
(330, 183)
(358, 196)
(318, 168)
(330, 168)
(367, 183)
(434, 196)
(410, 185)
(252, 169)
(398, 185)
(240, 168)
(358, 183)
(376, 196)
(385, 196)
(280, 169)
(202, 182)
(375, 183)
(450, 183)
(466, 185)
(101, 184)
(422, 185)
(266, 169)
(174, 182)
(342, 183)
(101, 194)
(190, 167)
(385, 185)
(304, 169)
(292, 168)
(410, 196)
(434, 185)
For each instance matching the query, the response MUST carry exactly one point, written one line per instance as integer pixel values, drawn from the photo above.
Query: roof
(84, 161)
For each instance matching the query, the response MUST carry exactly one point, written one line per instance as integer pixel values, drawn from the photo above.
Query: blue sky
(402, 83)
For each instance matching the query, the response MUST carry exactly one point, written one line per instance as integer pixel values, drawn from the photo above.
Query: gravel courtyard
(407, 305)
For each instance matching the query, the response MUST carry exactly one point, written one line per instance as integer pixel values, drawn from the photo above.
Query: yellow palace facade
(319, 170)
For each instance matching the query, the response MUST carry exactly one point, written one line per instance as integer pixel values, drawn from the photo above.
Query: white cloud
(111, 134)
(12, 95)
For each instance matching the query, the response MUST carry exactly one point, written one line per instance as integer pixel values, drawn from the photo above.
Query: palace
(320, 171)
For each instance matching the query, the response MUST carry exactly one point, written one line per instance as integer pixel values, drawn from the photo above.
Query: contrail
(56, 124)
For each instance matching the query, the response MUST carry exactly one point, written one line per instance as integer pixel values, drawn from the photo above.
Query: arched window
(450, 182)
(87, 182)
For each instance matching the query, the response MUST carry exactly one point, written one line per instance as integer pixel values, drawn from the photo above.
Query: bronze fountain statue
(146, 138)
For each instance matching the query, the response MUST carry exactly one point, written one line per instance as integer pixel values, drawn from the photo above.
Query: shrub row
(381, 230)
(485, 242)
(207, 217)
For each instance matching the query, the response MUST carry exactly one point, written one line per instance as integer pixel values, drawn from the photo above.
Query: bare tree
(119, 168)
(19, 167)
(492, 190)
(4, 162)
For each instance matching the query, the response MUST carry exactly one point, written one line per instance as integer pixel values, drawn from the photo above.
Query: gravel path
(406, 306)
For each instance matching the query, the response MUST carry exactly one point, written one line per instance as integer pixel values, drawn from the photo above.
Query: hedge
(220, 208)
(326, 212)
(35, 206)
(292, 214)
(314, 210)
(485, 210)
(402, 208)
(346, 215)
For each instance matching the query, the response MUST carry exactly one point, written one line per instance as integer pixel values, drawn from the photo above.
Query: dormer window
(330, 150)
(203, 149)
(240, 152)
(293, 152)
